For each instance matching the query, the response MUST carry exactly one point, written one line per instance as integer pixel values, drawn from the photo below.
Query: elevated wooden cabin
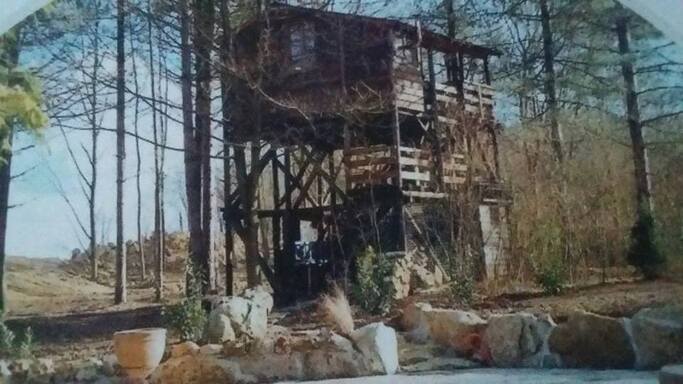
(369, 123)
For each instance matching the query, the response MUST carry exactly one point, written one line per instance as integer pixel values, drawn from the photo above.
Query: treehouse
(368, 132)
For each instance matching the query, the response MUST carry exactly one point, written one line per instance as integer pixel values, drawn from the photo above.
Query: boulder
(452, 328)
(429, 357)
(110, 365)
(400, 278)
(260, 297)
(192, 369)
(88, 370)
(332, 357)
(185, 348)
(658, 336)
(245, 317)
(5, 369)
(219, 328)
(456, 329)
(42, 367)
(20, 366)
(413, 316)
(671, 374)
(588, 340)
(210, 349)
(517, 340)
(378, 344)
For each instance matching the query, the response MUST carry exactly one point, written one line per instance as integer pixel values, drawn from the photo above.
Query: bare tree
(549, 85)
(640, 155)
(203, 46)
(138, 155)
(158, 238)
(226, 51)
(120, 290)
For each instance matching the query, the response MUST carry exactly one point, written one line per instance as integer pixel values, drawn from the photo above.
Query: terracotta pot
(139, 351)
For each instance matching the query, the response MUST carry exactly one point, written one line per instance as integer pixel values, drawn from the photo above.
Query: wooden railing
(367, 166)
(379, 165)
(418, 171)
(454, 170)
(410, 96)
(478, 98)
(414, 169)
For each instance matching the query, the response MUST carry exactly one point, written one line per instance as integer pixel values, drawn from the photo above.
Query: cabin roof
(429, 39)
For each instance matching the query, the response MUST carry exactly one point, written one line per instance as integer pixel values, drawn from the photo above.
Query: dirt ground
(50, 287)
(74, 318)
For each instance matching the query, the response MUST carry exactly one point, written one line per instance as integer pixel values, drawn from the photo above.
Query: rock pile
(244, 349)
(650, 340)
(280, 355)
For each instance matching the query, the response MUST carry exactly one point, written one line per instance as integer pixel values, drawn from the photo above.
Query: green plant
(188, 319)
(373, 289)
(643, 252)
(13, 347)
(7, 339)
(551, 277)
(462, 287)
(24, 349)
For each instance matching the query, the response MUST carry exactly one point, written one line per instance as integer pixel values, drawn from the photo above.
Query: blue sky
(43, 226)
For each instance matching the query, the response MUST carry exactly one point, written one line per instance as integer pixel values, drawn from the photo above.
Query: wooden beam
(330, 180)
(296, 180)
(290, 181)
(303, 193)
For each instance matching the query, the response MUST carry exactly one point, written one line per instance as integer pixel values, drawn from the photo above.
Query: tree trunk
(120, 290)
(11, 56)
(191, 154)
(203, 43)
(549, 82)
(225, 85)
(640, 156)
(249, 234)
(156, 236)
(162, 161)
(138, 156)
(92, 190)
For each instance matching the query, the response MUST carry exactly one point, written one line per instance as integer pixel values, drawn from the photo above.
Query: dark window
(302, 46)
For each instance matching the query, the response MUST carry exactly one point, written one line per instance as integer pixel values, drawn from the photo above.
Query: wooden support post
(290, 223)
(487, 71)
(434, 116)
(396, 125)
(229, 240)
(277, 254)
(333, 173)
(345, 157)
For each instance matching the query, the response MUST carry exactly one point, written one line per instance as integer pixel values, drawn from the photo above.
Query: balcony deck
(414, 170)
(410, 97)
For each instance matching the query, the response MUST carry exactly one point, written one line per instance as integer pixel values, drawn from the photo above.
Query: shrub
(373, 289)
(462, 288)
(13, 347)
(551, 277)
(643, 252)
(188, 319)
(337, 311)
